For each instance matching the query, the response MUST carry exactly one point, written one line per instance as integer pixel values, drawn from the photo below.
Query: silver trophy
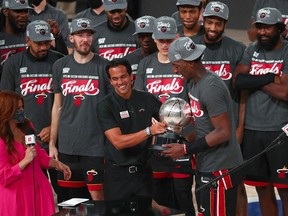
(177, 114)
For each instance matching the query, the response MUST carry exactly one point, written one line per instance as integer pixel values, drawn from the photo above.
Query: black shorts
(124, 182)
(86, 171)
(270, 167)
(219, 198)
(173, 192)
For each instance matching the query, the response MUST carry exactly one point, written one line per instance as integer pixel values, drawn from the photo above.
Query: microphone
(30, 138)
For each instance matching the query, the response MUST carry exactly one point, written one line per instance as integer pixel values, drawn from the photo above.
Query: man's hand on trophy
(174, 150)
(157, 127)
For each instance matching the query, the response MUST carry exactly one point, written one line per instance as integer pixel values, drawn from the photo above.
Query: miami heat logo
(40, 98)
(163, 29)
(39, 87)
(42, 31)
(282, 172)
(142, 25)
(216, 9)
(78, 99)
(91, 174)
(84, 25)
(80, 89)
(263, 13)
(189, 45)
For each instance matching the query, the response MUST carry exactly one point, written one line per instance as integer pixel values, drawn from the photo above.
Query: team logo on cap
(83, 23)
(189, 45)
(263, 13)
(142, 23)
(41, 29)
(163, 27)
(216, 7)
(20, 1)
(114, 1)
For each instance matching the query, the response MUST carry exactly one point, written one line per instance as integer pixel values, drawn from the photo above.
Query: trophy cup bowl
(177, 114)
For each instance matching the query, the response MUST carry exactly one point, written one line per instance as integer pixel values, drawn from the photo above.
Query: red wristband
(185, 151)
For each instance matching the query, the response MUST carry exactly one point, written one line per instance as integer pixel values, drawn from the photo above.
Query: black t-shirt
(32, 79)
(130, 116)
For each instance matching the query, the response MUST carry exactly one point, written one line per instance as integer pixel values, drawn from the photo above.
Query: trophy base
(157, 148)
(167, 138)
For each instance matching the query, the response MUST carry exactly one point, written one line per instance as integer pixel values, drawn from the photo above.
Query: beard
(15, 26)
(214, 39)
(268, 44)
(83, 52)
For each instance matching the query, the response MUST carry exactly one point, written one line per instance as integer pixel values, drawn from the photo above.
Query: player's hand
(45, 134)
(174, 150)
(55, 29)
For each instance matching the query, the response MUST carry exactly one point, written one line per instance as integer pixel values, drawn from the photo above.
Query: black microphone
(30, 138)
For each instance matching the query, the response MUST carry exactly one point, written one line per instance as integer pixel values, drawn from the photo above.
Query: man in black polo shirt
(125, 116)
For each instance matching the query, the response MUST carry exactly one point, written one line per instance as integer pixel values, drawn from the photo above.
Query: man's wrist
(197, 146)
(185, 150)
(148, 131)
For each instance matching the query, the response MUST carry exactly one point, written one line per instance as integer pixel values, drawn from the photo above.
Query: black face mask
(95, 3)
(19, 115)
(34, 2)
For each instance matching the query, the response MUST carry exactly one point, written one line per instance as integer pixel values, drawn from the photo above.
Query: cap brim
(164, 36)
(115, 7)
(191, 4)
(87, 29)
(215, 15)
(37, 39)
(263, 22)
(139, 32)
(24, 8)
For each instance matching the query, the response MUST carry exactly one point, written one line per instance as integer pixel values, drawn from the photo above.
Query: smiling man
(222, 54)
(216, 147)
(126, 116)
(263, 71)
(13, 32)
(79, 82)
